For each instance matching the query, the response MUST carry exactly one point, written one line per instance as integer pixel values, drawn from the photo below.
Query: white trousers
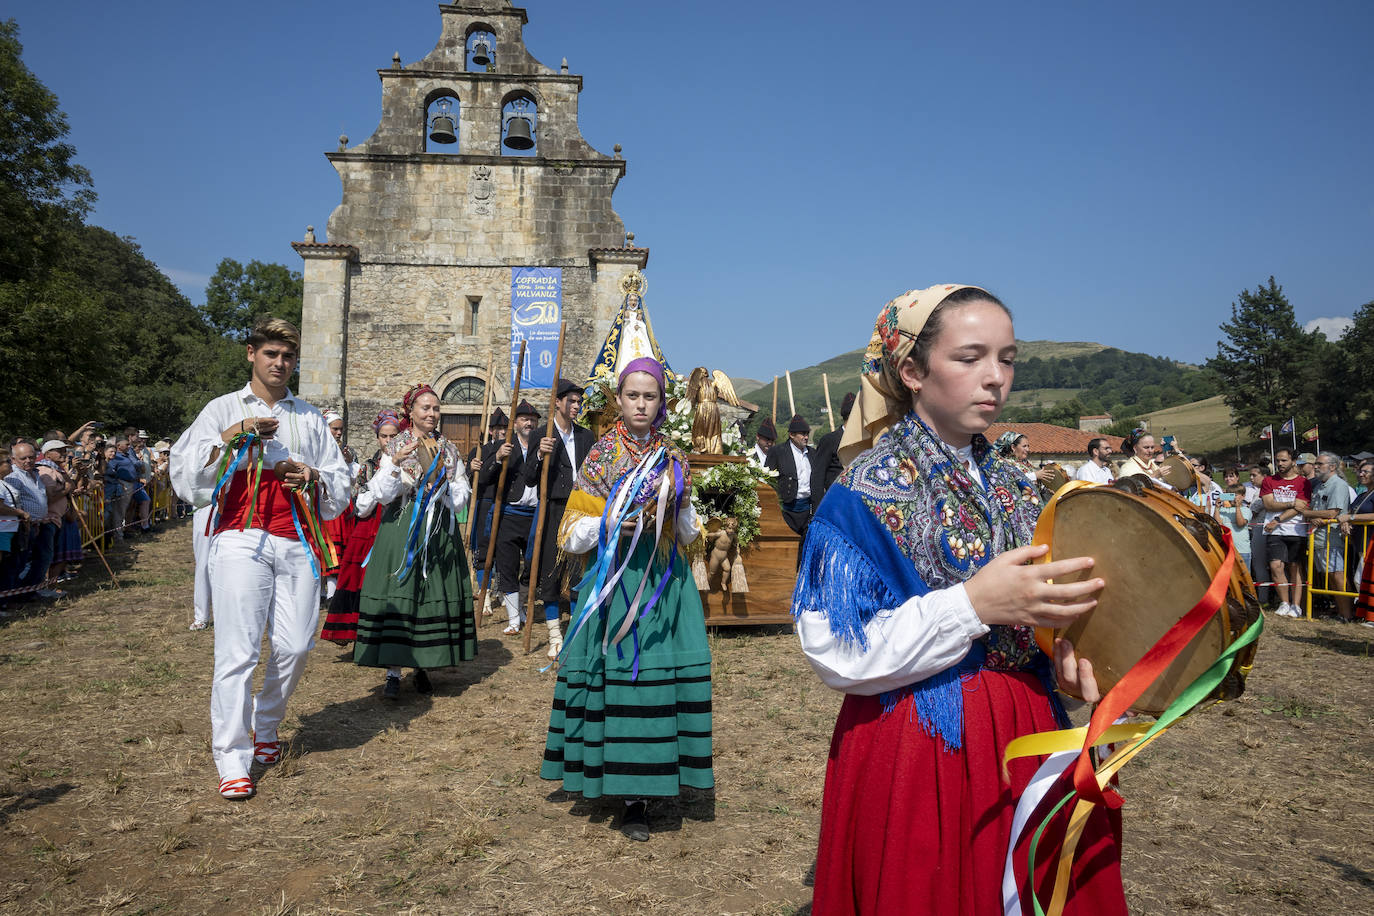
(200, 545)
(258, 582)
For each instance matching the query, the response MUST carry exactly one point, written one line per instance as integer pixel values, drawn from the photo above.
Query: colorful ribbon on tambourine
(657, 474)
(428, 490)
(1072, 747)
(235, 452)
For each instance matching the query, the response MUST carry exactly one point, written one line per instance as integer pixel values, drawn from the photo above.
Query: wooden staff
(791, 403)
(825, 383)
(500, 489)
(775, 400)
(542, 516)
(481, 441)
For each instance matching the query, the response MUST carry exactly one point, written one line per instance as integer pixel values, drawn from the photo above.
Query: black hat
(498, 418)
(798, 425)
(767, 431)
(847, 405)
(566, 387)
(526, 410)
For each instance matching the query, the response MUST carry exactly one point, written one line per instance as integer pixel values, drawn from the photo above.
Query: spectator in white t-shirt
(1098, 468)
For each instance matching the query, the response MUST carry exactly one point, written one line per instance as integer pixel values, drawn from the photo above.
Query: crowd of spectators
(60, 495)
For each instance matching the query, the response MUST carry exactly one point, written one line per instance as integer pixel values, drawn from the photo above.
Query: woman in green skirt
(632, 707)
(415, 609)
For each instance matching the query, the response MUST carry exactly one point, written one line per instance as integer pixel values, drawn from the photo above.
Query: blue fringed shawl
(904, 518)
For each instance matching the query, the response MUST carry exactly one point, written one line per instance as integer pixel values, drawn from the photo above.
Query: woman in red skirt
(341, 623)
(914, 599)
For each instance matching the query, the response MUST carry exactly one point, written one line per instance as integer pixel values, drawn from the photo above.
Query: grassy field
(433, 805)
(1202, 427)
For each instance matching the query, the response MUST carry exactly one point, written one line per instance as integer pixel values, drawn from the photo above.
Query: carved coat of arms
(480, 187)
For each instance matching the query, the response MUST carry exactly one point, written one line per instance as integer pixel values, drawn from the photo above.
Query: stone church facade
(414, 281)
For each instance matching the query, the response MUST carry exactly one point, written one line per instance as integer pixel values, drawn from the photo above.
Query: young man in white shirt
(262, 576)
(1098, 467)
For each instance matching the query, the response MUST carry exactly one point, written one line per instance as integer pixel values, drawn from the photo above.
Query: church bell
(441, 127)
(441, 130)
(518, 134)
(481, 54)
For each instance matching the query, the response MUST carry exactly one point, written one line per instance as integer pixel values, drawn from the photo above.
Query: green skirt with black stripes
(425, 621)
(611, 733)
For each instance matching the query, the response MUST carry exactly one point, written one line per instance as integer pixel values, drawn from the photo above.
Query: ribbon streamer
(656, 475)
(431, 483)
(1089, 783)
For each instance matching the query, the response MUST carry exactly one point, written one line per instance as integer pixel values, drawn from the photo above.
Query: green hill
(1056, 382)
(1202, 427)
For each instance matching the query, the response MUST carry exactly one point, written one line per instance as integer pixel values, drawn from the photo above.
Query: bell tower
(477, 166)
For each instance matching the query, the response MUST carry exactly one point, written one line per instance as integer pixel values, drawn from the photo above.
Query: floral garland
(729, 490)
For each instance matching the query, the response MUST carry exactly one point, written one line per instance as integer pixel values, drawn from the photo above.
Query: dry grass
(433, 805)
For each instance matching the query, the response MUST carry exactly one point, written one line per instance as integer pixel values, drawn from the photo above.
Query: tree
(238, 296)
(42, 189)
(1260, 363)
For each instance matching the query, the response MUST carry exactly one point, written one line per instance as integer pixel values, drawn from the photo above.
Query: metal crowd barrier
(1352, 559)
(91, 506)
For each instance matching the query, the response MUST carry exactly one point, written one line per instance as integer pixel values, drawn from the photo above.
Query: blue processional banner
(536, 313)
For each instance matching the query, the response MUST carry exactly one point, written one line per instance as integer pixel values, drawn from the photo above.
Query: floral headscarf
(883, 398)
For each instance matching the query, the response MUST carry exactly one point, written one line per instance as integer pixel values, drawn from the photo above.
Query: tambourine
(1157, 554)
(1053, 485)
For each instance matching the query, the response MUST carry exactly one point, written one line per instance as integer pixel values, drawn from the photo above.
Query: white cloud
(1333, 328)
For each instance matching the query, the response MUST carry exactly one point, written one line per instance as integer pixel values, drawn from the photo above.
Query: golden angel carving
(705, 390)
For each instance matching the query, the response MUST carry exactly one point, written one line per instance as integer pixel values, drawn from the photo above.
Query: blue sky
(1116, 172)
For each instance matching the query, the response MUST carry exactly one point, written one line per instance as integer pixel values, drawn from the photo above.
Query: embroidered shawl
(907, 517)
(426, 475)
(412, 465)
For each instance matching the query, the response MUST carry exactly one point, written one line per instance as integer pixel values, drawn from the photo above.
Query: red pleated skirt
(909, 827)
(341, 623)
